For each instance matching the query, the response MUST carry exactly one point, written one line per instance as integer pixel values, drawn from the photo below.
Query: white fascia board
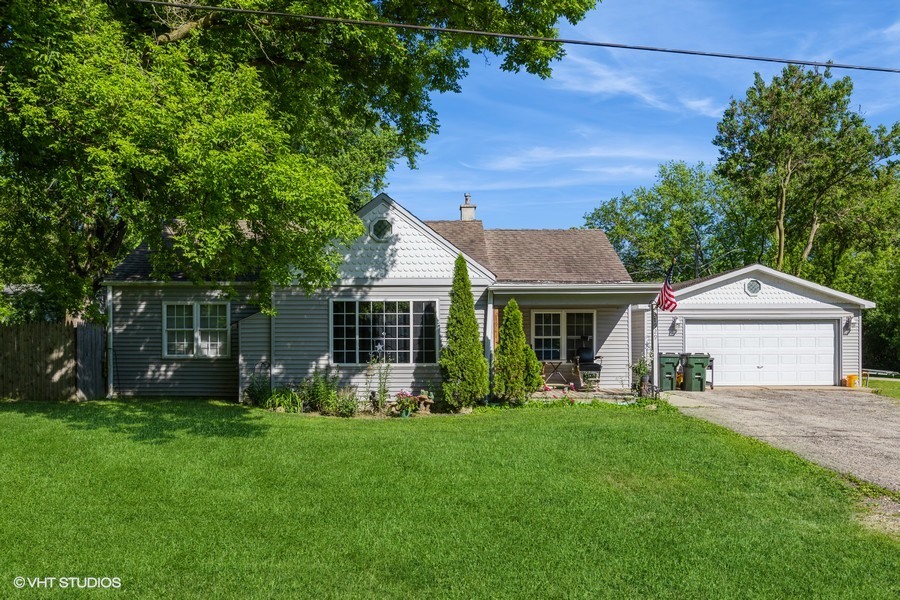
(417, 282)
(160, 283)
(710, 283)
(577, 288)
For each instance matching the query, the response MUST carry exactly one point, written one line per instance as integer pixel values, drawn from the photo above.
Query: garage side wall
(851, 346)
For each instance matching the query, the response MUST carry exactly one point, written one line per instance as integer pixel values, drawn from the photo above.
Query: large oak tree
(230, 143)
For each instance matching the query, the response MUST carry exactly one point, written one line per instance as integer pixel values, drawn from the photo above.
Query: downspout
(654, 342)
(489, 338)
(630, 347)
(272, 342)
(859, 343)
(110, 392)
(489, 329)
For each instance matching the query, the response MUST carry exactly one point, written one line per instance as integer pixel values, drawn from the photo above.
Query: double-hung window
(558, 335)
(196, 329)
(398, 331)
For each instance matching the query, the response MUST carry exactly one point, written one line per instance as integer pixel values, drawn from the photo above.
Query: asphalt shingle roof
(468, 236)
(537, 255)
(513, 255)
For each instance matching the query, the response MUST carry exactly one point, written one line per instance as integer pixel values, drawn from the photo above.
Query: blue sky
(540, 153)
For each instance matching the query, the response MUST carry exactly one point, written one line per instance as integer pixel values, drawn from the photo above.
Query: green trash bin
(695, 372)
(668, 366)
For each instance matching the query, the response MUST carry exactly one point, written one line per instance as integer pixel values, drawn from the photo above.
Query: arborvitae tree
(533, 370)
(511, 379)
(464, 369)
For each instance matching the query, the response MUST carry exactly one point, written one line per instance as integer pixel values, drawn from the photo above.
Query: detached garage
(763, 327)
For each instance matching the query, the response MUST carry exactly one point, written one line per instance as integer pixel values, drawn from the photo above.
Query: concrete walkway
(849, 431)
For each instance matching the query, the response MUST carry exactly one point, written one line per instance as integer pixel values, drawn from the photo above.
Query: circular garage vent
(753, 287)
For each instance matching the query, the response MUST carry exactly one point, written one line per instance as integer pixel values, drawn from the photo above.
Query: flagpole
(654, 345)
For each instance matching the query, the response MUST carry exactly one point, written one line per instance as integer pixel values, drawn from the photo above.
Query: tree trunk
(809, 244)
(780, 210)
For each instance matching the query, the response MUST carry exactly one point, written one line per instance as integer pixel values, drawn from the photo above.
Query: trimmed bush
(533, 369)
(464, 369)
(512, 379)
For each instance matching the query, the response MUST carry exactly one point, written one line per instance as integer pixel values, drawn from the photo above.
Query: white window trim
(437, 340)
(563, 354)
(196, 312)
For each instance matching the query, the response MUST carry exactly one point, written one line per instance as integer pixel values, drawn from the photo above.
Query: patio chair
(588, 364)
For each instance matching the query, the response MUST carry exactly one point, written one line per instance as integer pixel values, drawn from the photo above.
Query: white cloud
(707, 107)
(893, 31)
(543, 156)
(579, 74)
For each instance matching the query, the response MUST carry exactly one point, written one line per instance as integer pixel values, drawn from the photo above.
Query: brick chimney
(467, 210)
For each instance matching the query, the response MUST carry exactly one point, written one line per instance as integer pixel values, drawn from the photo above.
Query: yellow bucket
(852, 380)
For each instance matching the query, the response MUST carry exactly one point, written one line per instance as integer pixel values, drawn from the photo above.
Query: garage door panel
(766, 352)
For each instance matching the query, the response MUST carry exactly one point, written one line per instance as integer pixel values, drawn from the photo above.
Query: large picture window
(195, 329)
(399, 331)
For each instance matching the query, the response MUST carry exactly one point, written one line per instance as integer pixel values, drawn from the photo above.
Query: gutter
(576, 288)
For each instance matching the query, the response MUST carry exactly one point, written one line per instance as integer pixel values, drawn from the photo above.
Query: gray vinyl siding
(638, 335)
(670, 339)
(139, 368)
(612, 328)
(612, 331)
(302, 339)
(851, 346)
(255, 346)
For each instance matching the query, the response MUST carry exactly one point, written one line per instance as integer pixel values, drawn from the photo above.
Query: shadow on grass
(150, 421)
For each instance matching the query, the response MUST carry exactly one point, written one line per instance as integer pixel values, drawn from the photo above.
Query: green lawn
(204, 499)
(886, 387)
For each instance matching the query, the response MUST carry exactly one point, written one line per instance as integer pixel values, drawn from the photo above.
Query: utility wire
(516, 36)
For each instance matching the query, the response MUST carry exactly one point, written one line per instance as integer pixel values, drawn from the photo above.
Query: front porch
(566, 324)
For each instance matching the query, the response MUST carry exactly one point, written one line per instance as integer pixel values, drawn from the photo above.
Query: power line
(516, 36)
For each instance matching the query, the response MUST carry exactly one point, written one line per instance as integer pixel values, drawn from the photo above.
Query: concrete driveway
(848, 431)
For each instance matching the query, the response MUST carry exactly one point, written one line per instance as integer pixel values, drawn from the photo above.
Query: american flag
(666, 298)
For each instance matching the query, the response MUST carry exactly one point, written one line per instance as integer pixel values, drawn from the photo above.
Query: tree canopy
(230, 143)
(795, 147)
(803, 184)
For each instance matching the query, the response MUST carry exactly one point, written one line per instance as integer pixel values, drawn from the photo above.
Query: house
(177, 338)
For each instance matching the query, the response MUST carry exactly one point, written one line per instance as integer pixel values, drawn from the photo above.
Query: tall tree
(795, 147)
(464, 368)
(680, 216)
(231, 143)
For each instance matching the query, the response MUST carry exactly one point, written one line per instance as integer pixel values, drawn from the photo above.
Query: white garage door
(766, 352)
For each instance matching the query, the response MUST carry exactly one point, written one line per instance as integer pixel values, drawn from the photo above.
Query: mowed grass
(199, 499)
(886, 387)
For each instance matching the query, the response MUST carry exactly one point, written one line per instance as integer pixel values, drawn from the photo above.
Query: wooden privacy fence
(52, 361)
